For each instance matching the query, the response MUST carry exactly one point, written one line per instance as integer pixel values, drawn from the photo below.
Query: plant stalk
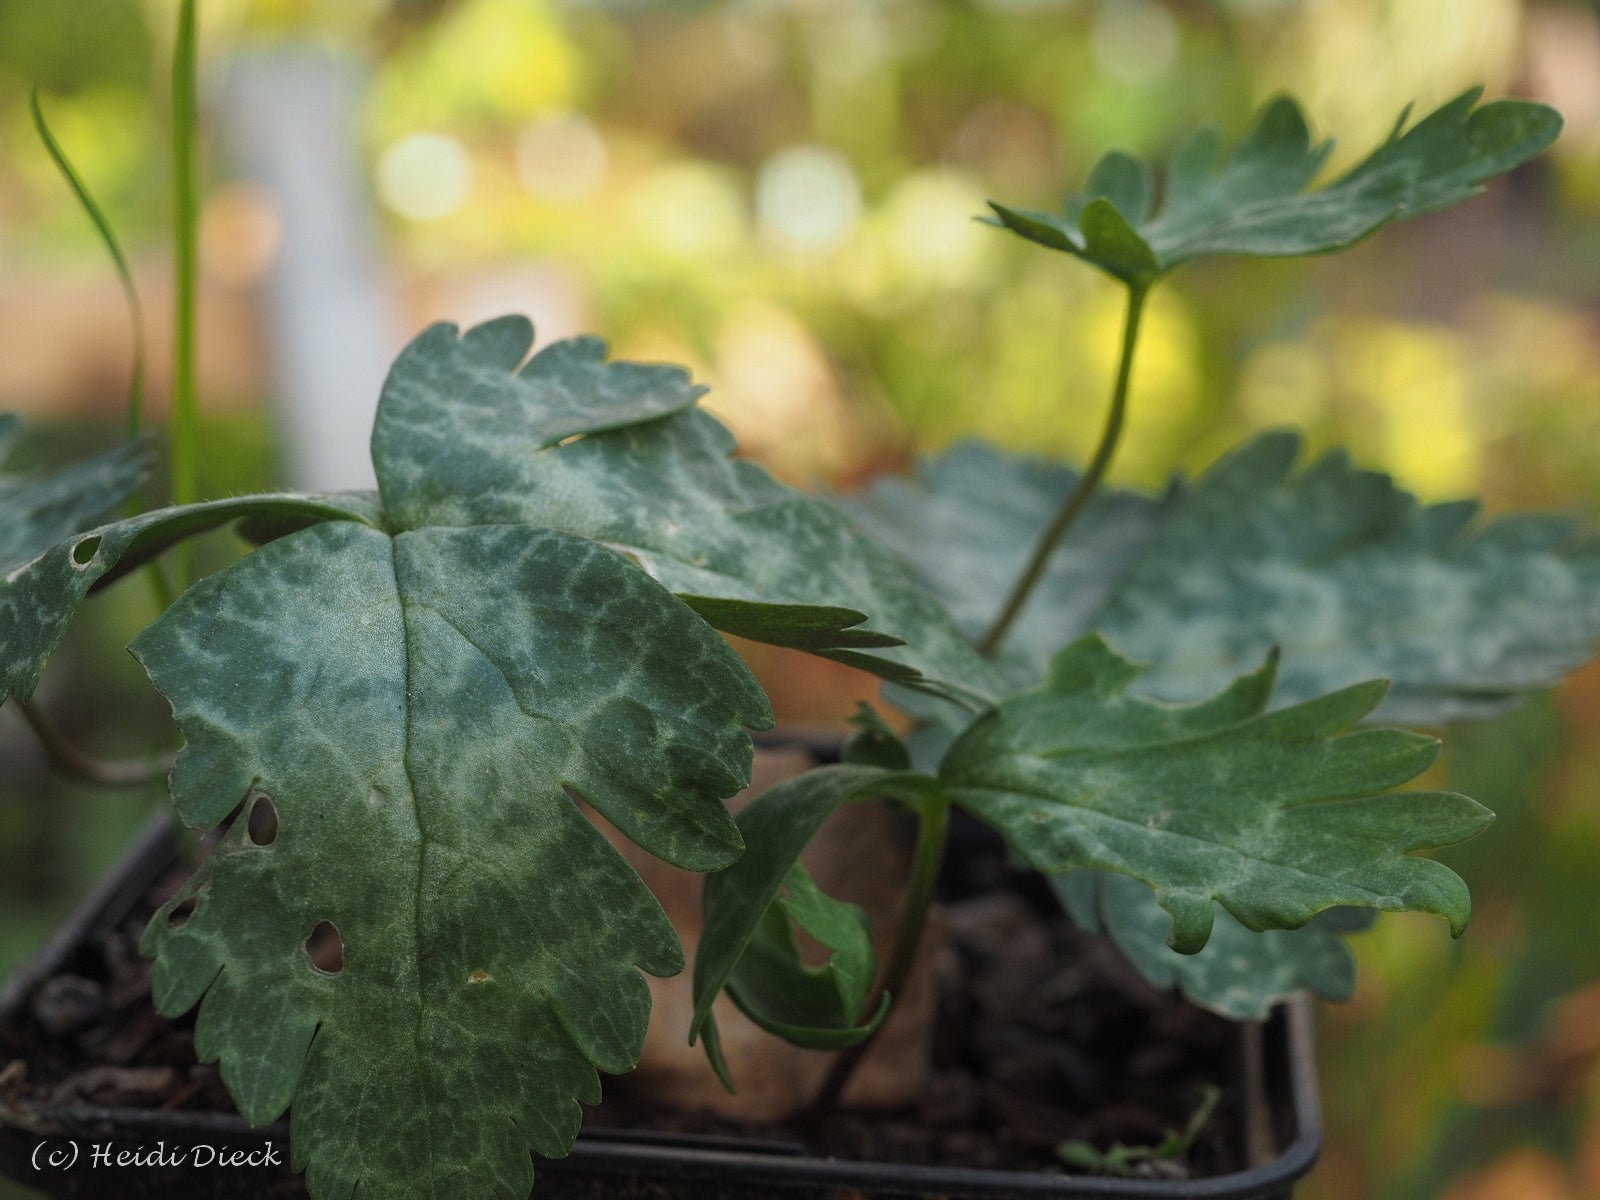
(108, 239)
(123, 773)
(186, 231)
(160, 589)
(933, 832)
(1078, 498)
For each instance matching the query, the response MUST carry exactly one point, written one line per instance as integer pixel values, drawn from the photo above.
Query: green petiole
(1078, 498)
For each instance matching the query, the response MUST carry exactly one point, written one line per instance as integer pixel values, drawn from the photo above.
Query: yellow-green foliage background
(780, 193)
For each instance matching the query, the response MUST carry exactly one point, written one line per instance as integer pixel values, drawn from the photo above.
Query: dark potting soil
(1043, 1035)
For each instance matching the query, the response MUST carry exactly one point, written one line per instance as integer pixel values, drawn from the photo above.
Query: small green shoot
(1126, 1161)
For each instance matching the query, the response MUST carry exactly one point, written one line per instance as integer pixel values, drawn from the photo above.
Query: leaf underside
(1349, 575)
(1256, 201)
(1240, 974)
(1274, 816)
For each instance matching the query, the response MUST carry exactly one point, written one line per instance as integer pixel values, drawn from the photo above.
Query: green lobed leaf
(1352, 577)
(54, 555)
(1348, 574)
(1240, 974)
(819, 1008)
(43, 509)
(423, 696)
(422, 708)
(467, 435)
(739, 901)
(967, 520)
(1275, 816)
(1255, 200)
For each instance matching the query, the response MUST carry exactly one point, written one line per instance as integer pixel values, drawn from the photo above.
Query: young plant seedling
(1126, 1160)
(1224, 830)
(423, 682)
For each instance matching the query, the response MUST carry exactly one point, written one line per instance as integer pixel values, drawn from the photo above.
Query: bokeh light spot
(808, 198)
(425, 176)
(1133, 41)
(562, 158)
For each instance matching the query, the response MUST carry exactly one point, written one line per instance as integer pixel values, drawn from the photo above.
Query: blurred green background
(779, 193)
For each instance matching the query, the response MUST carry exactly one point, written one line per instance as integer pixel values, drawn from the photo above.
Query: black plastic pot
(70, 1151)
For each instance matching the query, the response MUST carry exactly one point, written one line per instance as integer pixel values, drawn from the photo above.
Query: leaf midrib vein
(1054, 802)
(422, 851)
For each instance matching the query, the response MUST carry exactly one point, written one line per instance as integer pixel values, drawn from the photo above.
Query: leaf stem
(119, 260)
(160, 589)
(933, 832)
(1078, 498)
(186, 225)
(101, 772)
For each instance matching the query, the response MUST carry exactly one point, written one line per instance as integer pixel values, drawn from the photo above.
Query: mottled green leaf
(1255, 201)
(40, 596)
(966, 522)
(739, 901)
(652, 477)
(422, 708)
(1240, 974)
(1349, 575)
(1275, 816)
(38, 510)
(1353, 578)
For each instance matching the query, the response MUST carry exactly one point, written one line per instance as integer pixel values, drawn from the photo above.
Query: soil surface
(1043, 1035)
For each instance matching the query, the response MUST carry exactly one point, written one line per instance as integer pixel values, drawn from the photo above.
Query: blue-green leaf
(52, 553)
(1240, 974)
(422, 709)
(967, 520)
(467, 435)
(1345, 572)
(38, 510)
(1255, 201)
(1275, 816)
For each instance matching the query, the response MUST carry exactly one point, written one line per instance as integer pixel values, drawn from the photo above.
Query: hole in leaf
(83, 553)
(376, 798)
(182, 911)
(479, 977)
(325, 948)
(263, 821)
